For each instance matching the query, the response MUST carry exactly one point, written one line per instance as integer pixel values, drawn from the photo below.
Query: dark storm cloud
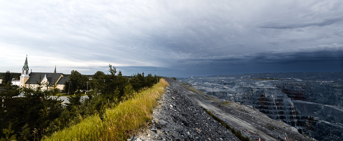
(285, 25)
(316, 56)
(317, 61)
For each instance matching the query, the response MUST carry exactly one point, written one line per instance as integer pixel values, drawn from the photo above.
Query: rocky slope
(179, 116)
(312, 103)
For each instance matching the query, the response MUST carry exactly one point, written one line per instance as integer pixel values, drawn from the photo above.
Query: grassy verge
(119, 123)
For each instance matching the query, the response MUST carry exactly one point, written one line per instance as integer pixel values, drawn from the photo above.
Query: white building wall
(16, 82)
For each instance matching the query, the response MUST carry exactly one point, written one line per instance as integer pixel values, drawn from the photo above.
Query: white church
(48, 81)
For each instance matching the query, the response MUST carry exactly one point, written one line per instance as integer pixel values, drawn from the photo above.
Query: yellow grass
(119, 123)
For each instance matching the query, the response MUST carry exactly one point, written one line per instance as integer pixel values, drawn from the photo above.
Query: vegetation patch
(118, 123)
(225, 103)
(189, 87)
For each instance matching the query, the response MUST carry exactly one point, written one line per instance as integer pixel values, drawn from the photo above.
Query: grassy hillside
(120, 122)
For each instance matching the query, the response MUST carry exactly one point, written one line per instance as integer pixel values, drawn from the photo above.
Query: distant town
(29, 79)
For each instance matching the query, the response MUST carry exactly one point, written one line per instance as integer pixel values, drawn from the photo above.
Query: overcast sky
(175, 37)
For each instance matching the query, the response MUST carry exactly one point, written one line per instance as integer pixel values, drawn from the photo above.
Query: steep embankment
(180, 116)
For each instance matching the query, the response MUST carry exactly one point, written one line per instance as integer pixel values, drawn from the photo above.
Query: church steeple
(55, 69)
(25, 70)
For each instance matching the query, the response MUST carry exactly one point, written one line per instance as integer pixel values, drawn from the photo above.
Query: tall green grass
(119, 123)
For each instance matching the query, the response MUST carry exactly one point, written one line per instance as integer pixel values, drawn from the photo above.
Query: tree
(36, 110)
(9, 133)
(112, 70)
(150, 80)
(76, 82)
(74, 100)
(128, 90)
(8, 109)
(136, 82)
(121, 82)
(97, 82)
(7, 78)
(110, 81)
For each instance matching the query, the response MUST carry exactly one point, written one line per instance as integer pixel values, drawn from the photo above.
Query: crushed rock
(178, 118)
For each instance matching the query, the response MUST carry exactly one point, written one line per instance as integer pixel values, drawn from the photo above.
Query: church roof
(36, 77)
(63, 79)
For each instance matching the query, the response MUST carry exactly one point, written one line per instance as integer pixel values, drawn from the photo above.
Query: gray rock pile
(178, 118)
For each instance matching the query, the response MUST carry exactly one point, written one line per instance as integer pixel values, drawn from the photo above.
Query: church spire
(55, 69)
(26, 67)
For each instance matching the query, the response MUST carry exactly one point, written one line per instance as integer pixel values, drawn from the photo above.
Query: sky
(172, 37)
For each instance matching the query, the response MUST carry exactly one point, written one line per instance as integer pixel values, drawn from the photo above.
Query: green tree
(97, 82)
(150, 80)
(36, 110)
(7, 78)
(128, 90)
(9, 133)
(112, 70)
(76, 82)
(110, 82)
(8, 104)
(120, 84)
(74, 100)
(135, 82)
(25, 132)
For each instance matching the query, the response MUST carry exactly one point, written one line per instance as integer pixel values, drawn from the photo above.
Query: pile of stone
(178, 118)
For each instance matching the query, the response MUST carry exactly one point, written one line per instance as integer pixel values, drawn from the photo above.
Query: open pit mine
(310, 102)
